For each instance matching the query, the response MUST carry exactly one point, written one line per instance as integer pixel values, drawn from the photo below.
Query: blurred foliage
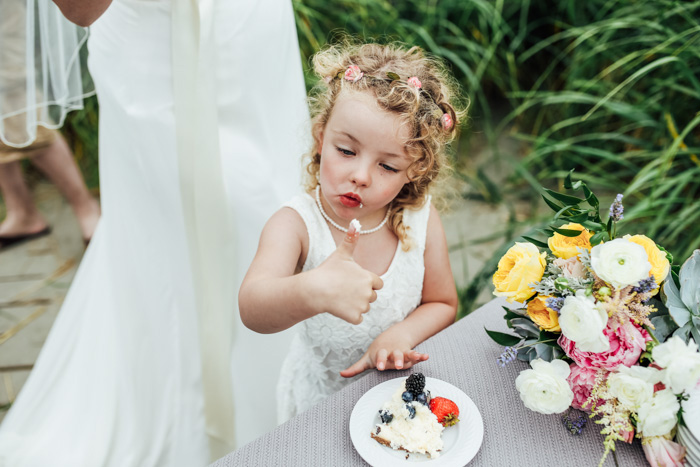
(609, 88)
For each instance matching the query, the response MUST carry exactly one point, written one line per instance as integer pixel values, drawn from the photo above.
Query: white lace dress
(325, 345)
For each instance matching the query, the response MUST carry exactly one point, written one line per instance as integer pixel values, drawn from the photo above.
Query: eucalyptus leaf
(690, 283)
(392, 75)
(676, 308)
(525, 327)
(544, 352)
(663, 327)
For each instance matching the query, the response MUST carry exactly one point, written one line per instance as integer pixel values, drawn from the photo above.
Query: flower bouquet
(596, 335)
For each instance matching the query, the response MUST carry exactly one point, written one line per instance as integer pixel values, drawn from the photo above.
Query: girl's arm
(275, 296)
(82, 12)
(393, 348)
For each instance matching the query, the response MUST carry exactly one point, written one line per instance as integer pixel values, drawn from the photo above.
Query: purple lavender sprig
(555, 303)
(574, 421)
(645, 285)
(509, 354)
(616, 209)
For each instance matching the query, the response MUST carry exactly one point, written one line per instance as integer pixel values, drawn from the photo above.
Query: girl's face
(363, 159)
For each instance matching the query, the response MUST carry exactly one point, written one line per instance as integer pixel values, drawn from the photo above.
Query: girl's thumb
(347, 248)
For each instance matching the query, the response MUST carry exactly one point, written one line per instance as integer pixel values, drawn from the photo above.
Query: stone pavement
(35, 277)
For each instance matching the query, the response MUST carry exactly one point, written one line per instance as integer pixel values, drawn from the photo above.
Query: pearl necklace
(341, 228)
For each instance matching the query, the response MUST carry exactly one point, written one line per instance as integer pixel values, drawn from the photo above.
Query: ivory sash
(206, 213)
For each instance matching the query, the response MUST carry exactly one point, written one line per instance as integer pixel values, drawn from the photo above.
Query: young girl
(382, 116)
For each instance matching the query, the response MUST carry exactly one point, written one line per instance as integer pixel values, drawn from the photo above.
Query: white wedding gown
(118, 381)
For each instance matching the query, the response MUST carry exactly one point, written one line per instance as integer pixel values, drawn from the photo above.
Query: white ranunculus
(620, 262)
(582, 320)
(658, 416)
(633, 386)
(544, 388)
(681, 363)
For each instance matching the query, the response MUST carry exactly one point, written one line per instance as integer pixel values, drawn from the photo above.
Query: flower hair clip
(354, 74)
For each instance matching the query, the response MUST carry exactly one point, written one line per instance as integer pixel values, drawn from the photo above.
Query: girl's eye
(389, 168)
(346, 152)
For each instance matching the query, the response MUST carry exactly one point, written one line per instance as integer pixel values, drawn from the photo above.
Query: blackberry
(407, 396)
(415, 383)
(411, 410)
(386, 416)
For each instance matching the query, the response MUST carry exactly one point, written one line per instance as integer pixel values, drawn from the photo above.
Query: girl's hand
(385, 356)
(344, 288)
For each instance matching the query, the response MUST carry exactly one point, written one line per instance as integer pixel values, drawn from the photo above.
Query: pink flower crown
(354, 74)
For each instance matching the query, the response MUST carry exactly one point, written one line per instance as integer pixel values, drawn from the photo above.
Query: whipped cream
(355, 223)
(420, 434)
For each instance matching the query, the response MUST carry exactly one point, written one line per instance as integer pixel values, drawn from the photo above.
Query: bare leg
(22, 215)
(58, 164)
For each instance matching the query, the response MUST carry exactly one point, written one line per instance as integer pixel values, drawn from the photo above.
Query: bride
(202, 112)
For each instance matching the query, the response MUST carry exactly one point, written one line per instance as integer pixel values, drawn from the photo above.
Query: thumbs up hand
(343, 288)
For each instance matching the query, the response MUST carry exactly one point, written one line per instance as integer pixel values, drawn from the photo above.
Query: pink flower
(581, 380)
(628, 436)
(415, 82)
(662, 452)
(353, 73)
(446, 121)
(571, 268)
(627, 342)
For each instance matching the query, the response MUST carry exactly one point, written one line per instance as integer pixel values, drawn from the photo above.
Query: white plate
(462, 441)
(691, 416)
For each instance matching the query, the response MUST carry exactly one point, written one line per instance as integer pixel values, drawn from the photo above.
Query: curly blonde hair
(422, 109)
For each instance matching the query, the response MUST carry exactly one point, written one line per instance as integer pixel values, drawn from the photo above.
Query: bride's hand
(342, 287)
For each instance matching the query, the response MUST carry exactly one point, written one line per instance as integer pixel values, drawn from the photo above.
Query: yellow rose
(659, 263)
(522, 265)
(565, 247)
(544, 317)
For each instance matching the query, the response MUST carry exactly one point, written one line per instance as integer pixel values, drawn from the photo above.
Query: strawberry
(445, 410)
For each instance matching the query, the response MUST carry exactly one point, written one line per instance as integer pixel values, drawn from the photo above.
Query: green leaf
(591, 199)
(535, 242)
(502, 338)
(568, 232)
(599, 237)
(567, 180)
(594, 226)
(549, 337)
(555, 207)
(566, 199)
(392, 75)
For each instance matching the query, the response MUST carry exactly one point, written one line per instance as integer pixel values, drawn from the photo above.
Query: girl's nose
(361, 175)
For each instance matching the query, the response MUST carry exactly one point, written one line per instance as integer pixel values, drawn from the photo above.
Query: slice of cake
(408, 423)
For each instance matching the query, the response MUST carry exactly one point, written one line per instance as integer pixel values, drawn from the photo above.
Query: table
(464, 356)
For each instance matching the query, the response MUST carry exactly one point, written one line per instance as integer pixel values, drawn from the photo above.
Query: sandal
(15, 240)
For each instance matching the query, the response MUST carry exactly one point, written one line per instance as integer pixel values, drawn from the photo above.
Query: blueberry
(385, 416)
(422, 398)
(407, 396)
(411, 410)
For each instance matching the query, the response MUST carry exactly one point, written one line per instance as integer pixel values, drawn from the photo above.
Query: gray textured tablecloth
(464, 356)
